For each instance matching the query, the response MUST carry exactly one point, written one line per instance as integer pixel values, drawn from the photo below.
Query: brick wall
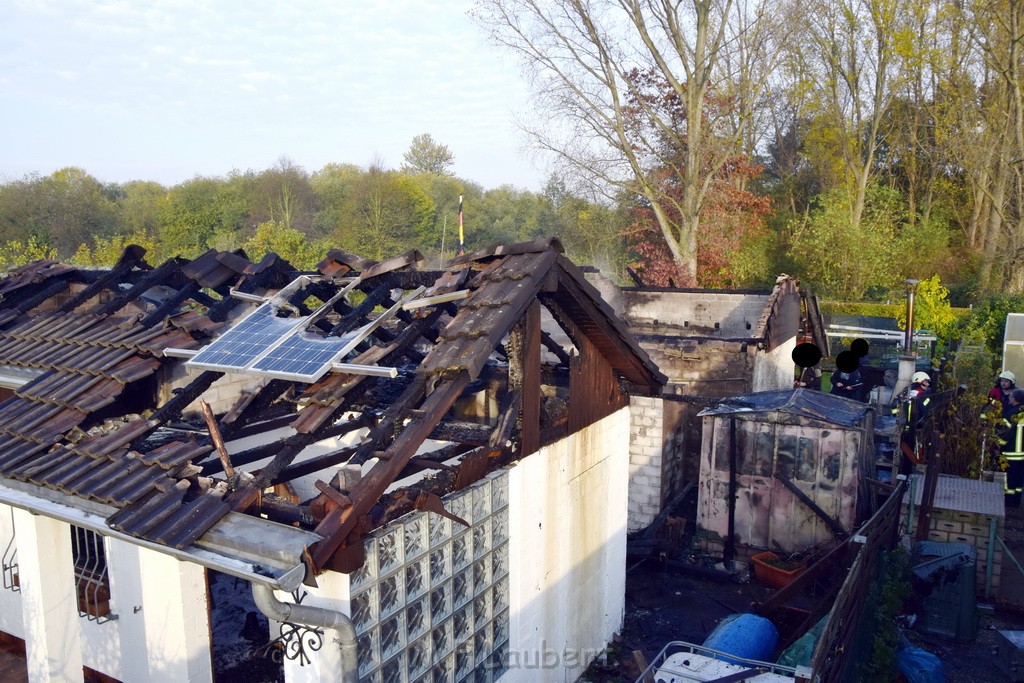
(646, 444)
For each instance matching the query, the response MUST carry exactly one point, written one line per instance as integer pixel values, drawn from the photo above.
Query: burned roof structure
(380, 352)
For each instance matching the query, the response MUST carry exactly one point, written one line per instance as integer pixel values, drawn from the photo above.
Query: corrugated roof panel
(962, 495)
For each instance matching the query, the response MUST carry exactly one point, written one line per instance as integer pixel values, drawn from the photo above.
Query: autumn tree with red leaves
(730, 217)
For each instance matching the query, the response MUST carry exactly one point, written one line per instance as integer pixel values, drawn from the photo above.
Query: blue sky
(166, 90)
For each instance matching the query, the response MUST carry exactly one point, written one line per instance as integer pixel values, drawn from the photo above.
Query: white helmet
(1006, 374)
(920, 376)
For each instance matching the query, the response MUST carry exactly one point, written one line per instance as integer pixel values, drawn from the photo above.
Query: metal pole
(444, 232)
(730, 544)
(909, 333)
(910, 510)
(991, 556)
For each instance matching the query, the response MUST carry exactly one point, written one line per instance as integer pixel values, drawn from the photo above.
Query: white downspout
(345, 632)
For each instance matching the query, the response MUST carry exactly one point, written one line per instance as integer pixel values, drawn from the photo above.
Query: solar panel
(306, 357)
(243, 343)
(283, 347)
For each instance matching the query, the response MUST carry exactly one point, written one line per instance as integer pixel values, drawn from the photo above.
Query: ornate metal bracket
(295, 641)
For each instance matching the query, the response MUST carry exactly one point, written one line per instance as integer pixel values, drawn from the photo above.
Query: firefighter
(1000, 393)
(912, 408)
(1013, 450)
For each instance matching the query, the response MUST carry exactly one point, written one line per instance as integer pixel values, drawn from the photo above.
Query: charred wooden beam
(460, 431)
(282, 511)
(172, 409)
(509, 410)
(434, 460)
(131, 257)
(51, 290)
(269, 275)
(355, 314)
(171, 304)
(337, 526)
(524, 376)
(391, 420)
(555, 348)
(402, 279)
(267, 394)
(155, 277)
(269, 450)
(313, 465)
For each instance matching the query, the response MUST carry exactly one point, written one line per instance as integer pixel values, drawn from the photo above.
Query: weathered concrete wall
(705, 313)
(702, 367)
(221, 396)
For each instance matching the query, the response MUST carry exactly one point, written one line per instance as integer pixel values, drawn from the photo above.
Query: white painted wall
(161, 632)
(567, 535)
(566, 563)
(50, 615)
(10, 601)
(331, 592)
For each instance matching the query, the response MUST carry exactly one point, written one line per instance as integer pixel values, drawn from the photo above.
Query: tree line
(886, 134)
(372, 211)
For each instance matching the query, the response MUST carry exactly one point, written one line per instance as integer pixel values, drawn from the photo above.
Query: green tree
(139, 204)
(333, 187)
(388, 213)
(191, 215)
(73, 209)
(283, 194)
(639, 86)
(425, 155)
(843, 259)
(288, 243)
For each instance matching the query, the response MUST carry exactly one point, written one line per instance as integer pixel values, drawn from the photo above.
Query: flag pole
(462, 236)
(444, 231)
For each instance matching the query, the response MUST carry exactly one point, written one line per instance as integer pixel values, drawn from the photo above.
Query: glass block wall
(431, 602)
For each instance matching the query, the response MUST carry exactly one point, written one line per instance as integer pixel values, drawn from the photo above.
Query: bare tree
(631, 92)
(852, 65)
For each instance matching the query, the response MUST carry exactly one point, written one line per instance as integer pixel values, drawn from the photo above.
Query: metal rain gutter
(306, 615)
(285, 578)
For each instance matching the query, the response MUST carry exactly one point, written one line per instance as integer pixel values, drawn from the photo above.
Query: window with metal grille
(92, 582)
(9, 561)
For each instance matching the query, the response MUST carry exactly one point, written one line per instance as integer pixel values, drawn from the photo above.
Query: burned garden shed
(793, 461)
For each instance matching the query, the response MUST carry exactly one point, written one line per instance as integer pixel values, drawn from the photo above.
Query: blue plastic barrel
(744, 635)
